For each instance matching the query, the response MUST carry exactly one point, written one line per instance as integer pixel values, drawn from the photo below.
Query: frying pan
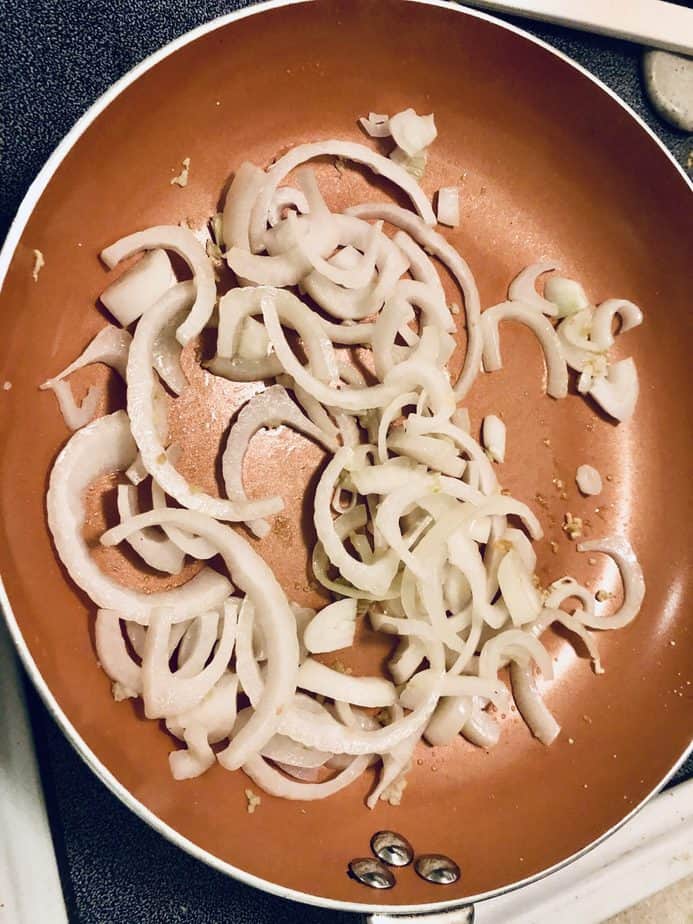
(549, 163)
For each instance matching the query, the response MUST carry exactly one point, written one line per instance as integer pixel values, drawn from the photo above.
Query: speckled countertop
(56, 57)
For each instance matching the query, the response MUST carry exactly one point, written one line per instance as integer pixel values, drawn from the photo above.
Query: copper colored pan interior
(548, 165)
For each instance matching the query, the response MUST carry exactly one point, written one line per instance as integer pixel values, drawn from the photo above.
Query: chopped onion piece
(376, 125)
(519, 593)
(566, 294)
(183, 242)
(75, 415)
(588, 479)
(617, 391)
(449, 206)
(493, 434)
(332, 628)
(411, 132)
(139, 287)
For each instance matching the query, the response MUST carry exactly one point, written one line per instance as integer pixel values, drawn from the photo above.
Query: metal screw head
(392, 848)
(371, 873)
(434, 867)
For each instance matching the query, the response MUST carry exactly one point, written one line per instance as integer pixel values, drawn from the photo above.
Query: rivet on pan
(371, 873)
(392, 848)
(434, 867)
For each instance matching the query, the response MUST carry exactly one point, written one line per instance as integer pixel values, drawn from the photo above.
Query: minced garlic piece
(6, 386)
(253, 800)
(341, 668)
(602, 595)
(39, 263)
(121, 692)
(572, 526)
(182, 178)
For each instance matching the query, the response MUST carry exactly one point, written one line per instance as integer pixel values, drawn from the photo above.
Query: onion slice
(183, 242)
(631, 575)
(349, 151)
(253, 576)
(270, 408)
(103, 447)
(140, 378)
(557, 378)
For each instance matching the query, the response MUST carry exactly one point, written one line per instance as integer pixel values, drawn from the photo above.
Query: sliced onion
(523, 288)
(183, 242)
(450, 717)
(513, 644)
(139, 287)
(480, 728)
(617, 392)
(103, 447)
(140, 378)
(240, 199)
(166, 353)
(357, 304)
(603, 316)
(396, 764)
(168, 694)
(332, 628)
(329, 735)
(436, 244)
(113, 655)
(195, 758)
(110, 346)
(199, 640)
(361, 691)
(530, 704)
(194, 546)
(407, 659)
(283, 198)
(519, 593)
(349, 151)
(375, 577)
(557, 374)
(156, 550)
(216, 714)
(75, 415)
(273, 782)
(254, 577)
(631, 575)
(270, 408)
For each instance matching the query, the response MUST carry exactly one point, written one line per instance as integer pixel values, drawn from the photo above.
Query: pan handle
(462, 915)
